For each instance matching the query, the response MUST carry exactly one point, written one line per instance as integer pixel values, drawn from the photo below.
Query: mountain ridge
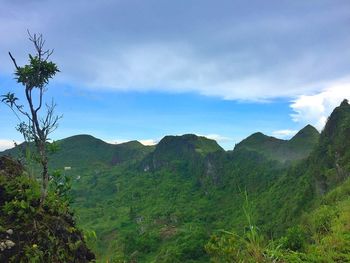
(296, 148)
(162, 203)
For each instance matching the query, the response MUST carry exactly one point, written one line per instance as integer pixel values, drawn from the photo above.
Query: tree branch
(14, 61)
(40, 100)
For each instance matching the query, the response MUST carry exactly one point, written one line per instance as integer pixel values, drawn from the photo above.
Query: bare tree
(38, 124)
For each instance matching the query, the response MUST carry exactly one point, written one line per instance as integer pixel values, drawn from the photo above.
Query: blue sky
(144, 69)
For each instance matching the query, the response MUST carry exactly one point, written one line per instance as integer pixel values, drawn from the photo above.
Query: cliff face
(29, 231)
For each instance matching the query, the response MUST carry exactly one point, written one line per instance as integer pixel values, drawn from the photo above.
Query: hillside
(171, 150)
(30, 232)
(296, 148)
(167, 213)
(163, 203)
(86, 151)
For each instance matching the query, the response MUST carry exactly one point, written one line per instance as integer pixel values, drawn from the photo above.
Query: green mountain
(163, 203)
(296, 148)
(174, 149)
(86, 151)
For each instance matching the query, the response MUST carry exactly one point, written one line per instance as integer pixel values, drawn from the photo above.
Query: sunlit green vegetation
(185, 200)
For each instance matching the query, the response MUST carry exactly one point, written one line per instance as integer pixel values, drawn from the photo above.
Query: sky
(143, 69)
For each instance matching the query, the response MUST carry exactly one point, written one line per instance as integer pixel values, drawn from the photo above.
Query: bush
(295, 239)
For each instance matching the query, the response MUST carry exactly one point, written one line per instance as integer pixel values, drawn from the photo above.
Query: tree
(38, 124)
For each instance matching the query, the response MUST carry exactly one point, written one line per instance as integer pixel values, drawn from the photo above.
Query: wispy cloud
(6, 144)
(315, 109)
(218, 138)
(284, 133)
(149, 142)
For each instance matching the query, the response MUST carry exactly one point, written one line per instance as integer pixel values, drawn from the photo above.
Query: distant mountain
(296, 148)
(162, 203)
(304, 141)
(86, 151)
(188, 147)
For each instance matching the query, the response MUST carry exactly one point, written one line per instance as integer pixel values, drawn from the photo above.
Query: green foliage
(248, 247)
(163, 204)
(61, 184)
(322, 236)
(40, 232)
(294, 239)
(36, 126)
(37, 73)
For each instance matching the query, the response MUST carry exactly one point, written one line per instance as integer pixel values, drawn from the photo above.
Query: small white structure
(67, 168)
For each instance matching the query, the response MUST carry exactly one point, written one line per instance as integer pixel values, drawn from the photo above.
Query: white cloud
(149, 142)
(284, 133)
(146, 142)
(315, 109)
(6, 144)
(218, 138)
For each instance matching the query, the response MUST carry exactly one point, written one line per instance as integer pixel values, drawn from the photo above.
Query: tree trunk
(45, 183)
(45, 170)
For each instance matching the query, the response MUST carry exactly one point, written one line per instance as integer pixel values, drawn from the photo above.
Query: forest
(188, 200)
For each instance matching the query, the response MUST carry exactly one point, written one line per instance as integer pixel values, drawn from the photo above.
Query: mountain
(163, 203)
(296, 148)
(331, 160)
(188, 147)
(327, 166)
(84, 151)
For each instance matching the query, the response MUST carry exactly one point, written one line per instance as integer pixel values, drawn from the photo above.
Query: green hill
(163, 203)
(174, 149)
(296, 148)
(86, 151)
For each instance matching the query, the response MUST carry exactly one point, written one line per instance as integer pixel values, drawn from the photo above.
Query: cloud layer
(226, 49)
(315, 109)
(284, 133)
(6, 144)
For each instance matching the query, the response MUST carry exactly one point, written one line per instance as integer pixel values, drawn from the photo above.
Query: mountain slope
(171, 149)
(86, 151)
(327, 167)
(296, 148)
(163, 203)
(167, 213)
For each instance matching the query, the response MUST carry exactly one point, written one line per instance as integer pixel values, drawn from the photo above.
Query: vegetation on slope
(164, 204)
(34, 232)
(322, 236)
(167, 213)
(297, 148)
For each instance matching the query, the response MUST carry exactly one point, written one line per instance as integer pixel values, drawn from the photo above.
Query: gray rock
(9, 244)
